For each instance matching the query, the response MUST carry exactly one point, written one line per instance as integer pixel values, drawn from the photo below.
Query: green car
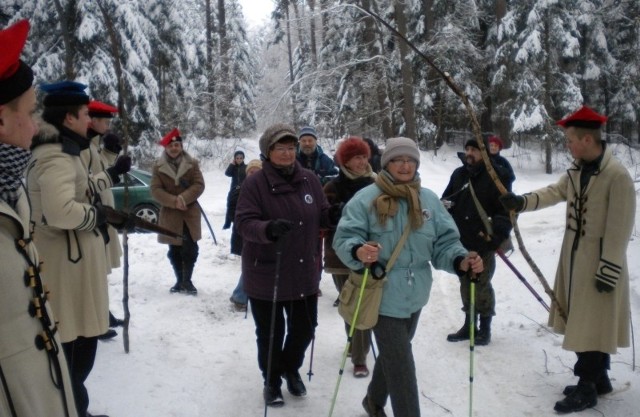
(141, 202)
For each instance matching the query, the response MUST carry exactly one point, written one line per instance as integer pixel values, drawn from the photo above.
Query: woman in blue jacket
(379, 213)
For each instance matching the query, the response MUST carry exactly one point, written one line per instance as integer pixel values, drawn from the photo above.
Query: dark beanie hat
(308, 131)
(64, 93)
(238, 152)
(350, 147)
(473, 143)
(16, 77)
(273, 134)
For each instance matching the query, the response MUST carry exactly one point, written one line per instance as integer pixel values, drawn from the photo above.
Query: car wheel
(147, 212)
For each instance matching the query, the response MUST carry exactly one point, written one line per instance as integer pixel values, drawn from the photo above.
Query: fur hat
(400, 146)
(273, 134)
(253, 165)
(350, 147)
(497, 141)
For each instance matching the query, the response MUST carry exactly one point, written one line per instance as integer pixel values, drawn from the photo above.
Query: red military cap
(100, 109)
(173, 136)
(584, 117)
(16, 77)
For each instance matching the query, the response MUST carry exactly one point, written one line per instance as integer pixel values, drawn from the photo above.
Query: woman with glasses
(378, 214)
(279, 214)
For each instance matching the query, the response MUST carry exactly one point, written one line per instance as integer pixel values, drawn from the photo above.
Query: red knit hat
(350, 147)
(16, 77)
(497, 141)
(173, 136)
(584, 117)
(100, 109)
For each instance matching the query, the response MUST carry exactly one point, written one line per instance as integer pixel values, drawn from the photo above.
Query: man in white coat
(70, 227)
(34, 377)
(592, 280)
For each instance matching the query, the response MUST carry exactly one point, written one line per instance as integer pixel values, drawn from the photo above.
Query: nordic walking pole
(352, 329)
(511, 266)
(272, 325)
(472, 337)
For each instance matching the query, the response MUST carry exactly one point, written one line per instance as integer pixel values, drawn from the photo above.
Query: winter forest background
(196, 65)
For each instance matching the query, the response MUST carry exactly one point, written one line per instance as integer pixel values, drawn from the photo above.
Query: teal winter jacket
(436, 243)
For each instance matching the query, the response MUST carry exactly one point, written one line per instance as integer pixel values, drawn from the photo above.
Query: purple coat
(267, 196)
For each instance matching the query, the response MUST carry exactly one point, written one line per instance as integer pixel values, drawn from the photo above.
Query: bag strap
(396, 251)
(483, 214)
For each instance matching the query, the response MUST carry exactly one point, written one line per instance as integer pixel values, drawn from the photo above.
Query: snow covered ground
(196, 356)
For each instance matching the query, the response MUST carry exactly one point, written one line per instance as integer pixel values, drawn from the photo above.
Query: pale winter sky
(255, 11)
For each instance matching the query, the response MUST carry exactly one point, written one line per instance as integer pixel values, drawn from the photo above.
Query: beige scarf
(386, 204)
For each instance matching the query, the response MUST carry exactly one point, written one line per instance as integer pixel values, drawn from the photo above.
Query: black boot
(463, 333)
(583, 397)
(187, 285)
(373, 410)
(484, 334)
(272, 396)
(603, 386)
(294, 384)
(176, 262)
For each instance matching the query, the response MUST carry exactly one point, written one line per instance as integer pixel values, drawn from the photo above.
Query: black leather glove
(121, 166)
(511, 201)
(335, 212)
(602, 286)
(112, 142)
(278, 228)
(101, 214)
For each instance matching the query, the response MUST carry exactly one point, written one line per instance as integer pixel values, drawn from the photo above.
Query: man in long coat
(34, 377)
(69, 224)
(176, 184)
(592, 280)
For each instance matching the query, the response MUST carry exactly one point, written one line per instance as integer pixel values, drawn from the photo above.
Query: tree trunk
(547, 90)
(224, 76)
(294, 112)
(408, 107)
(67, 29)
(382, 96)
(312, 33)
(211, 84)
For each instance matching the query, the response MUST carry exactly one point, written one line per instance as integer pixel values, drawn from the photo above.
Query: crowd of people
(294, 213)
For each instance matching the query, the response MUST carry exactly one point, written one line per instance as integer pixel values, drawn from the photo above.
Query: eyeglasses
(283, 149)
(399, 162)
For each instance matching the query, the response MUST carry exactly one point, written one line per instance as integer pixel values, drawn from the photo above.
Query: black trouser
(288, 352)
(592, 365)
(183, 257)
(80, 354)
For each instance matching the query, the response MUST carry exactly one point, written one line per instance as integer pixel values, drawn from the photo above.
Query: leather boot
(176, 263)
(463, 333)
(483, 337)
(583, 397)
(603, 385)
(294, 384)
(187, 285)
